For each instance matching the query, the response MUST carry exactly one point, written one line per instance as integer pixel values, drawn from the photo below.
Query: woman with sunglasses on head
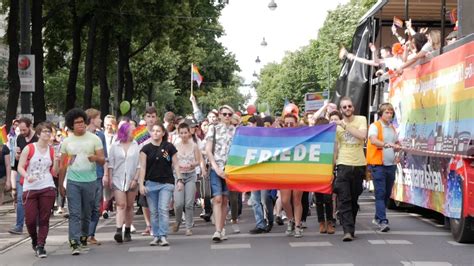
(291, 198)
(39, 192)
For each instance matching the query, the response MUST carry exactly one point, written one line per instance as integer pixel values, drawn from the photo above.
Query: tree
(39, 105)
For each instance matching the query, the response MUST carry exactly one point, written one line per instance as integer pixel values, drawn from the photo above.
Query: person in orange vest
(381, 148)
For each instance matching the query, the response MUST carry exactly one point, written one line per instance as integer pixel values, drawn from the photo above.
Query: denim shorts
(218, 185)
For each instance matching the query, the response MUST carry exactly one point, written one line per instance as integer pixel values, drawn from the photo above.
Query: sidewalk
(7, 220)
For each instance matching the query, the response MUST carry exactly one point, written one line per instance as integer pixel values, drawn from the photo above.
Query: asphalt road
(414, 239)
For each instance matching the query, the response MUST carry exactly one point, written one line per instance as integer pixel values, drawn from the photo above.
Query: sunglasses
(226, 114)
(346, 107)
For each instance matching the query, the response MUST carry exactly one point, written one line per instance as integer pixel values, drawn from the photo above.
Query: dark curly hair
(72, 115)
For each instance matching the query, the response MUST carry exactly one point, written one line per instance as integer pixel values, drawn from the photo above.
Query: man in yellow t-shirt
(351, 134)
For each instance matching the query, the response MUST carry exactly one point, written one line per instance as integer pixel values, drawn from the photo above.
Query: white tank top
(39, 167)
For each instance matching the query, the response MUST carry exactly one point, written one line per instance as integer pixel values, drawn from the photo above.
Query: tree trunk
(120, 69)
(39, 104)
(14, 50)
(89, 64)
(104, 86)
(76, 57)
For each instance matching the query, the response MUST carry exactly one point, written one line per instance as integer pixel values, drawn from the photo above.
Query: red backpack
(31, 152)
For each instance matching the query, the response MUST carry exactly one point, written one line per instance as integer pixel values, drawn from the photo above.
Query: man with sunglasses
(218, 140)
(351, 134)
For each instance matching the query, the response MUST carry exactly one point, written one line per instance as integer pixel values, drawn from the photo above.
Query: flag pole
(192, 79)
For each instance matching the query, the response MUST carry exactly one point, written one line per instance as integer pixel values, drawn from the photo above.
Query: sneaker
(298, 232)
(347, 237)
(15, 231)
(383, 227)
(146, 232)
(127, 237)
(290, 229)
(133, 230)
(189, 232)
(83, 245)
(376, 222)
(75, 249)
(279, 220)
(105, 215)
(269, 227)
(118, 237)
(257, 230)
(155, 241)
(223, 235)
(303, 225)
(235, 228)
(175, 227)
(217, 237)
(163, 242)
(92, 241)
(41, 252)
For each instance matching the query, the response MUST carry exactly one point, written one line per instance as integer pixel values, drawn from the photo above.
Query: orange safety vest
(374, 153)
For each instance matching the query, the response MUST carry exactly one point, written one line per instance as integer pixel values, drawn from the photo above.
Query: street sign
(26, 71)
(313, 101)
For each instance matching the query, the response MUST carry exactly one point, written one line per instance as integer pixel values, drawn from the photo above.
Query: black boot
(127, 237)
(118, 235)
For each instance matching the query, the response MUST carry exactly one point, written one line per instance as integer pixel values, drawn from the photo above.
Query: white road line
(390, 242)
(454, 243)
(310, 244)
(425, 263)
(148, 249)
(331, 264)
(230, 246)
(61, 252)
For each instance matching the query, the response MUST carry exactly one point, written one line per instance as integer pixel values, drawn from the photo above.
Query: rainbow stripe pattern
(140, 134)
(196, 75)
(282, 158)
(3, 135)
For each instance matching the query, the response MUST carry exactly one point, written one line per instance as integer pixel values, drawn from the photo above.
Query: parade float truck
(434, 107)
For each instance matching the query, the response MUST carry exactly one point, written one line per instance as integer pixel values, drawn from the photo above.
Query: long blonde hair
(435, 37)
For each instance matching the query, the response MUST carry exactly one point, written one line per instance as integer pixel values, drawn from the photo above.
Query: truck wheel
(462, 229)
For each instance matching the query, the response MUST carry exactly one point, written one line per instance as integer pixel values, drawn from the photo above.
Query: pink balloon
(251, 109)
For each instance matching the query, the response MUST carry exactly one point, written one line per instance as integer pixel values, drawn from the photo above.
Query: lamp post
(272, 5)
(263, 43)
(257, 60)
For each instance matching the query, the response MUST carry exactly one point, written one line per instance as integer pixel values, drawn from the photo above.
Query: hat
(226, 107)
(452, 35)
(191, 122)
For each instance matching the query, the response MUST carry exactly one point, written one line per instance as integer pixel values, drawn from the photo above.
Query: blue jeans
(261, 199)
(383, 178)
(80, 199)
(96, 208)
(159, 196)
(20, 211)
(185, 199)
(218, 185)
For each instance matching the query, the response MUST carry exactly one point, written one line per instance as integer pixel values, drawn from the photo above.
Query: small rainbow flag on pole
(282, 158)
(196, 76)
(140, 134)
(3, 135)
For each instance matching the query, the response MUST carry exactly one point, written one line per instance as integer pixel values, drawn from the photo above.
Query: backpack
(31, 152)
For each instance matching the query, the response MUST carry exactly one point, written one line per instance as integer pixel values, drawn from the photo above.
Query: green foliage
(220, 95)
(314, 67)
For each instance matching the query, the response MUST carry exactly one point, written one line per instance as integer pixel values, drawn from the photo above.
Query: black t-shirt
(21, 143)
(158, 162)
(3, 169)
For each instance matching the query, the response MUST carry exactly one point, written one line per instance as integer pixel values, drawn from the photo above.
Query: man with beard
(27, 136)
(351, 134)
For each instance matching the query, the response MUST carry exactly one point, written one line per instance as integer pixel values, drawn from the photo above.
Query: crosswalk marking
(230, 246)
(454, 243)
(310, 244)
(425, 263)
(331, 264)
(148, 249)
(390, 242)
(66, 252)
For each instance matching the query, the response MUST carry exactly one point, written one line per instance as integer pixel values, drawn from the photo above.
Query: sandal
(147, 230)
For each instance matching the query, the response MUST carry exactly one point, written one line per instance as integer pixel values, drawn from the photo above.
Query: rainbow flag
(3, 135)
(196, 76)
(140, 134)
(282, 158)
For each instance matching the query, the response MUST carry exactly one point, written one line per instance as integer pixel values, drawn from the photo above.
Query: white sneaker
(163, 242)
(235, 228)
(155, 241)
(133, 230)
(223, 235)
(217, 237)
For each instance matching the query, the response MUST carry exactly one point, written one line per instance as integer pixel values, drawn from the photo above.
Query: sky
(287, 28)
